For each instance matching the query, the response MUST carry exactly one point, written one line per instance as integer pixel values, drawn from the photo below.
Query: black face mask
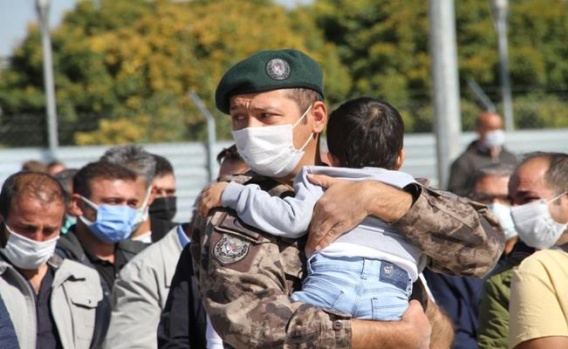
(164, 208)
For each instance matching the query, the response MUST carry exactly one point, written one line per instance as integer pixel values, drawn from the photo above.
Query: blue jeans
(365, 288)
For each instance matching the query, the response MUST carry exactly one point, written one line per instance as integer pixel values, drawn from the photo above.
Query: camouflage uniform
(246, 276)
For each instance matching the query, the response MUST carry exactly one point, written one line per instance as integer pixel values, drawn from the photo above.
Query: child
(367, 272)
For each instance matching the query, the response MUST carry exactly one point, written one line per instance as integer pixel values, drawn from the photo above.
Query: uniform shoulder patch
(278, 69)
(230, 249)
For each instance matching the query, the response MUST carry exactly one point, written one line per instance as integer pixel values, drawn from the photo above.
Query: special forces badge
(230, 250)
(278, 69)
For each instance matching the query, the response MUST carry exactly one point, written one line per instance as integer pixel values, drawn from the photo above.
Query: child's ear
(400, 159)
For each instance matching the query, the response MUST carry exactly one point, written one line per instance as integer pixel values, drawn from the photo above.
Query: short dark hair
(37, 185)
(495, 170)
(229, 154)
(556, 176)
(163, 166)
(65, 178)
(304, 97)
(135, 158)
(34, 165)
(99, 170)
(365, 131)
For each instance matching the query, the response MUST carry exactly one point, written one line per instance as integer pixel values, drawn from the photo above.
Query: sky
(15, 15)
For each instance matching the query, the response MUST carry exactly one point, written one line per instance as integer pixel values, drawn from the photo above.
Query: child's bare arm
(211, 197)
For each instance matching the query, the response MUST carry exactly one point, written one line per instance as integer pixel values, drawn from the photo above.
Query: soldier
(246, 275)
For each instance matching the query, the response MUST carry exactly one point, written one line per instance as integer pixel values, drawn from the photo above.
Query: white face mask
(26, 253)
(535, 226)
(142, 212)
(269, 150)
(503, 214)
(494, 139)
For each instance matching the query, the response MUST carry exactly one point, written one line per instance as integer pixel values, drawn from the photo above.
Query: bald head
(488, 121)
(40, 187)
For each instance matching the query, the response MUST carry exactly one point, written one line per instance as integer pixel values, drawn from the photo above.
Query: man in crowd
(65, 178)
(105, 197)
(538, 307)
(486, 150)
(135, 158)
(246, 276)
(164, 207)
(53, 303)
(459, 296)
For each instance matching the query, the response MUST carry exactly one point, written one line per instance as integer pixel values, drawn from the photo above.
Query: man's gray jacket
(140, 293)
(76, 293)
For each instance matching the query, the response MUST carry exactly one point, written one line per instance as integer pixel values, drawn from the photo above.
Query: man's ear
(75, 205)
(319, 112)
(400, 159)
(152, 196)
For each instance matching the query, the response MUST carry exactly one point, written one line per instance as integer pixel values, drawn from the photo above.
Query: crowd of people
(289, 247)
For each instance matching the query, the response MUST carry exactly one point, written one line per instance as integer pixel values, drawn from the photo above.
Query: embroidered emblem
(230, 249)
(388, 269)
(278, 69)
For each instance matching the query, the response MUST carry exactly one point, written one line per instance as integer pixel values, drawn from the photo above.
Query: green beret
(267, 71)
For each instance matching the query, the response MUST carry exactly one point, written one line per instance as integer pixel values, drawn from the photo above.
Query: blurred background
(122, 70)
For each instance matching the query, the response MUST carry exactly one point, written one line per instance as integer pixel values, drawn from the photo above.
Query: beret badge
(278, 69)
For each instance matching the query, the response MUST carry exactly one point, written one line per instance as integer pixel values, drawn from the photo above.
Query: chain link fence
(533, 110)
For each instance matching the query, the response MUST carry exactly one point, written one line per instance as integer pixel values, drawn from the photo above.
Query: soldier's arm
(458, 232)
(246, 279)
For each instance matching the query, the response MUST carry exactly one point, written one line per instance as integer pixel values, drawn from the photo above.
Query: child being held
(367, 272)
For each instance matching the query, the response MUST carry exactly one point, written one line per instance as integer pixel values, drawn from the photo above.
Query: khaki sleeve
(246, 278)
(458, 235)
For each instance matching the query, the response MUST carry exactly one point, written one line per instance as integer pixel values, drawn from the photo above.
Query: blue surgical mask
(114, 222)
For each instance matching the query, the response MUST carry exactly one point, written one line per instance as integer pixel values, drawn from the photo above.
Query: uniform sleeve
(246, 278)
(135, 309)
(459, 236)
(494, 312)
(288, 217)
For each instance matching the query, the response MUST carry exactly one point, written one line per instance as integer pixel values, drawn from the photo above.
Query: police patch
(230, 249)
(278, 69)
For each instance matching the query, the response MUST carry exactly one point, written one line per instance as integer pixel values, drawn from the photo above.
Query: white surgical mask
(534, 224)
(269, 150)
(503, 214)
(26, 253)
(142, 212)
(494, 139)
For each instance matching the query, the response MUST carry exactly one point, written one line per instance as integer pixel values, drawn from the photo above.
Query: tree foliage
(386, 46)
(123, 70)
(130, 64)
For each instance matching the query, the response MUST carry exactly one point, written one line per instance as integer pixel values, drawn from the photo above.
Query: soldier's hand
(415, 317)
(211, 197)
(342, 206)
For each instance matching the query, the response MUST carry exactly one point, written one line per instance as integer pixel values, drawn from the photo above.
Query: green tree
(124, 70)
(385, 44)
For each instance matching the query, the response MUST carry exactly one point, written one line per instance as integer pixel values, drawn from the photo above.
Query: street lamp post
(42, 7)
(500, 10)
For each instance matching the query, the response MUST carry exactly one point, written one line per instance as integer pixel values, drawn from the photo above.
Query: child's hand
(211, 197)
